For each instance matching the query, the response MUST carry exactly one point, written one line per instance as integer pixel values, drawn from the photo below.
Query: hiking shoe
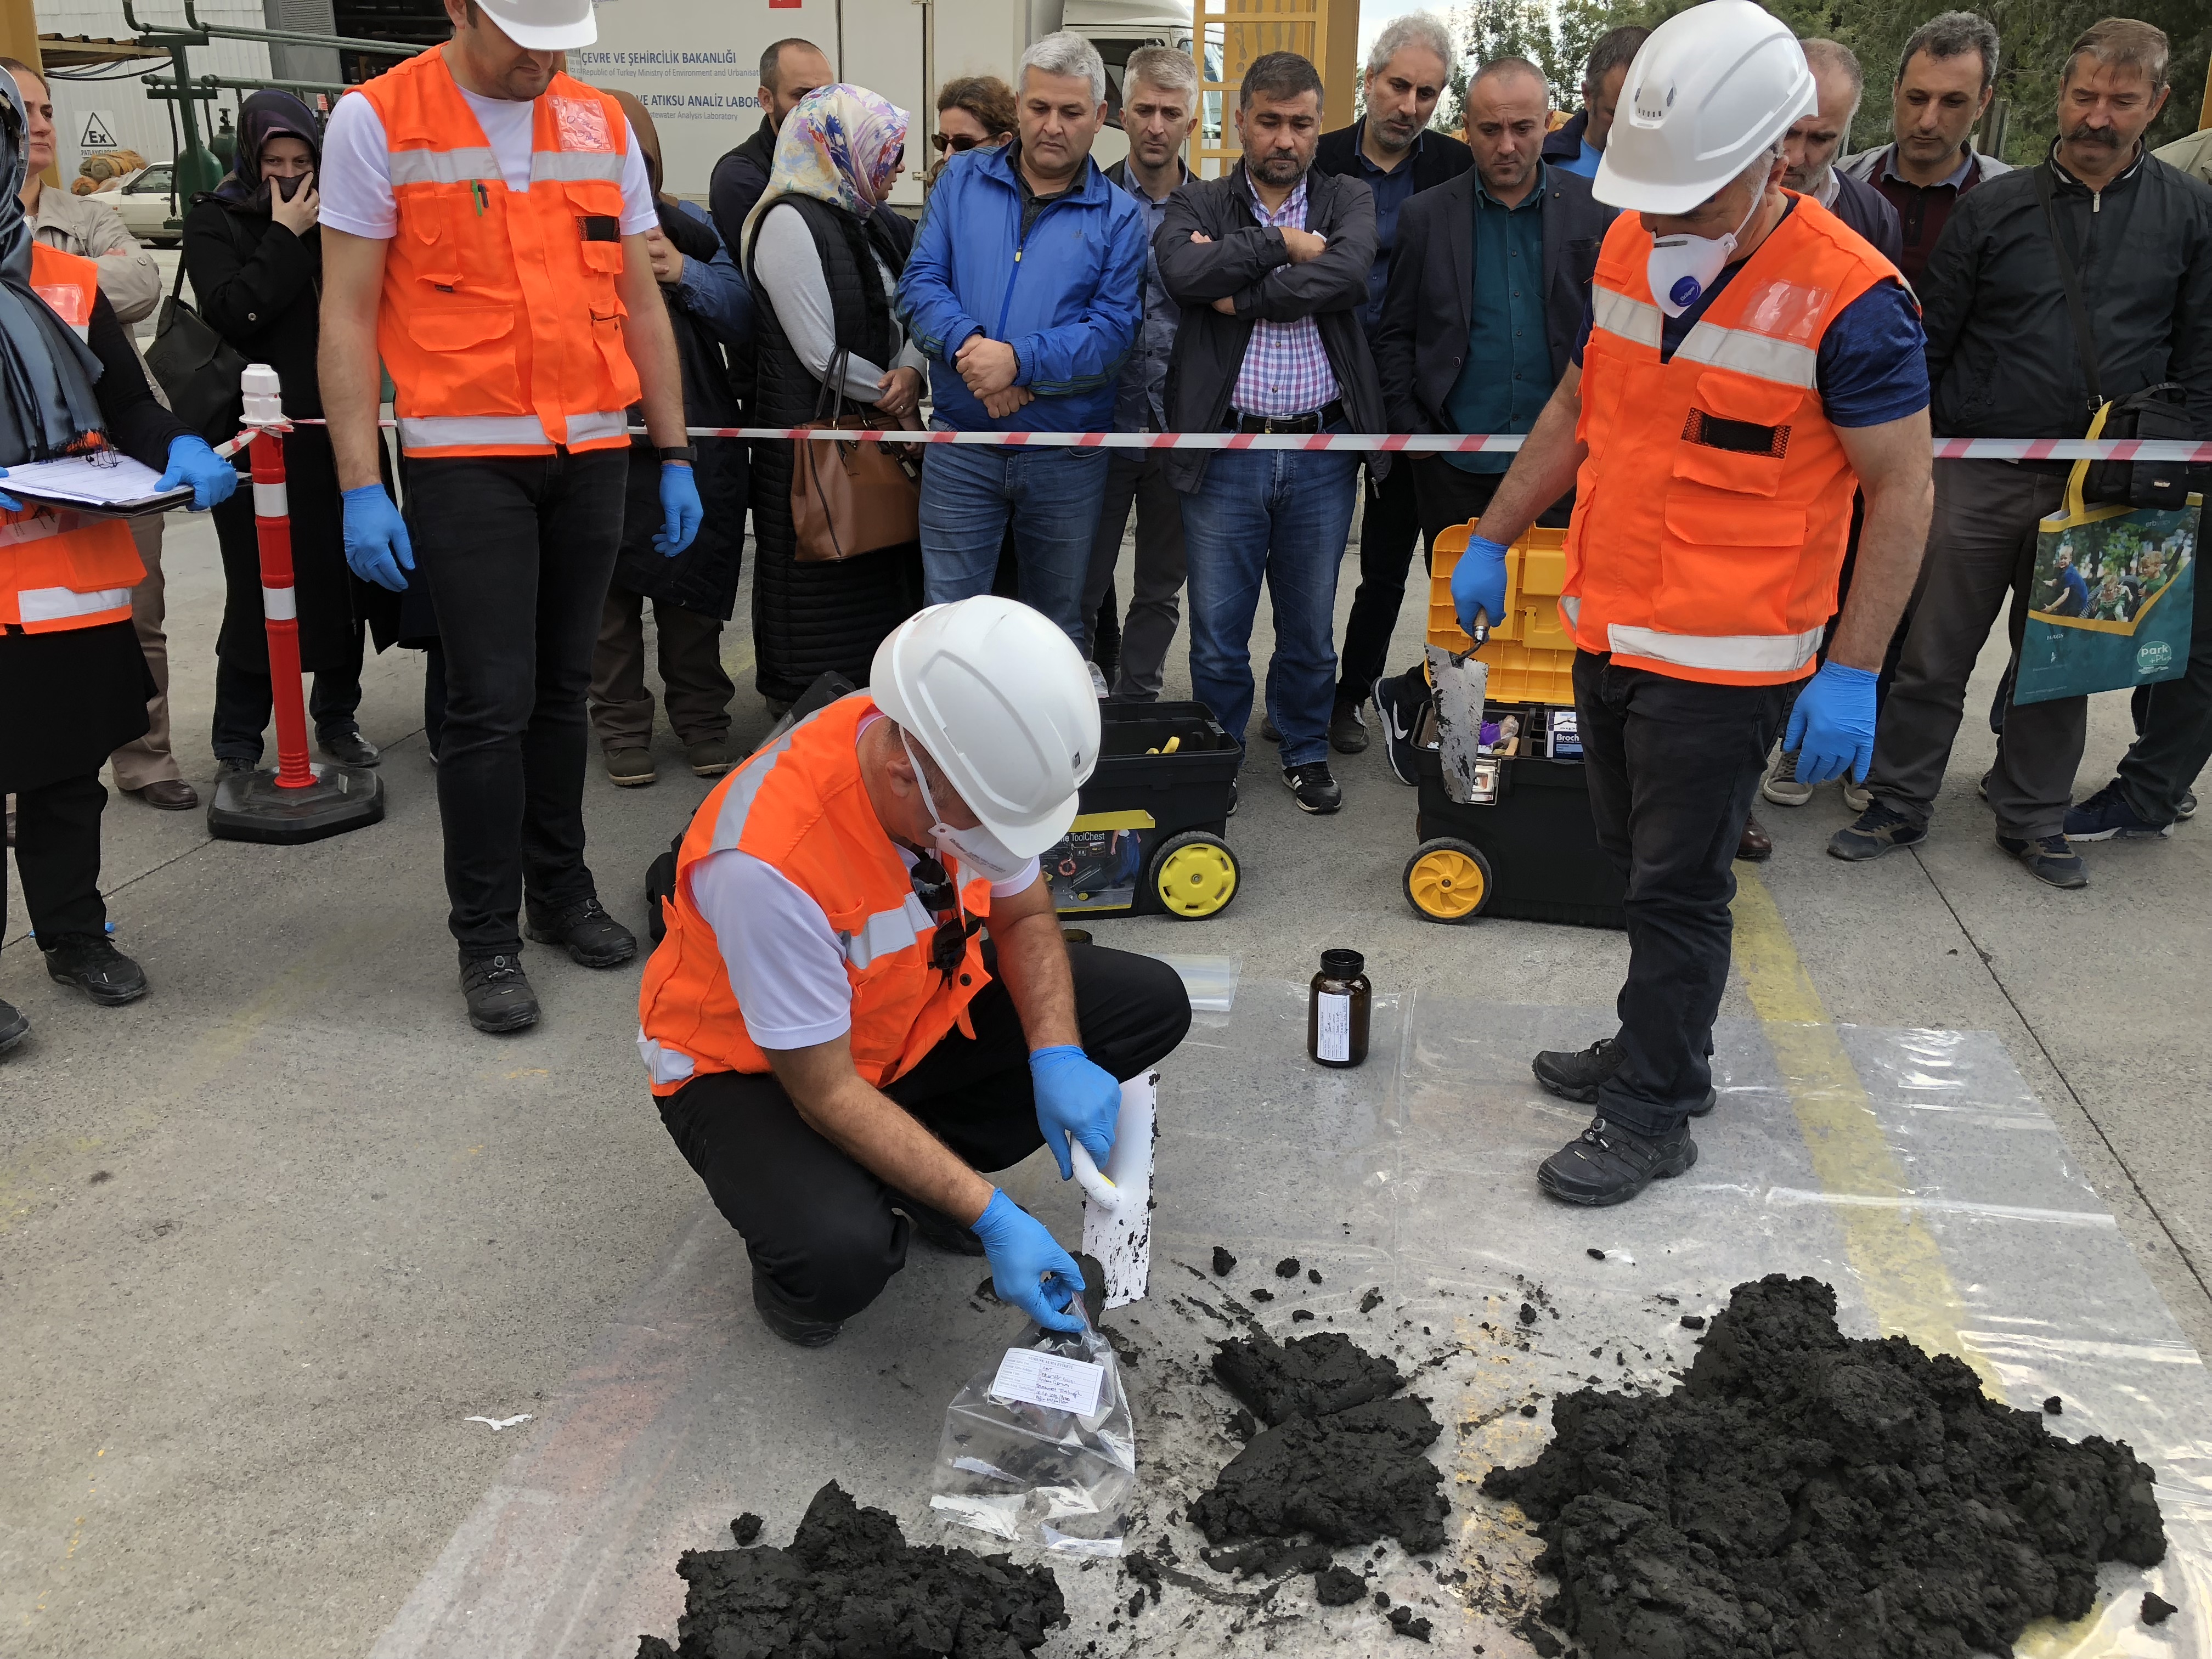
(499, 997)
(2048, 858)
(1881, 828)
(791, 1326)
(1347, 730)
(709, 759)
(1609, 1164)
(1267, 729)
(1400, 711)
(1857, 796)
(96, 968)
(15, 1026)
(1754, 843)
(591, 936)
(2106, 815)
(1577, 1074)
(349, 748)
(1315, 789)
(1780, 785)
(630, 768)
(939, 1230)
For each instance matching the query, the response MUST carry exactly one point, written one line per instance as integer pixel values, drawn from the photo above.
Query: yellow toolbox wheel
(1449, 880)
(1194, 874)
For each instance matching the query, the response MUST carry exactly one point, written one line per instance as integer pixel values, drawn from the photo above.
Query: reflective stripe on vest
(1725, 653)
(426, 434)
(888, 931)
(1747, 353)
(445, 166)
(664, 1064)
(565, 166)
(52, 605)
(1632, 320)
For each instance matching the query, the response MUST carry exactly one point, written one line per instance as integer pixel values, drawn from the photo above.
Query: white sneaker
(1782, 787)
(1855, 797)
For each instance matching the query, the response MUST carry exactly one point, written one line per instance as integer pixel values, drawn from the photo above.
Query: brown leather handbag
(856, 496)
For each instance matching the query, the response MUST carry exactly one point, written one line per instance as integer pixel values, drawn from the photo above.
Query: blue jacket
(1069, 302)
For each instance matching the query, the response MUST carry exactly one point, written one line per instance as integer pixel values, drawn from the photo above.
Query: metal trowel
(1463, 686)
(1118, 1200)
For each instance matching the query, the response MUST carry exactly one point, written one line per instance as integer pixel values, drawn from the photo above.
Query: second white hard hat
(543, 25)
(1711, 89)
(1001, 698)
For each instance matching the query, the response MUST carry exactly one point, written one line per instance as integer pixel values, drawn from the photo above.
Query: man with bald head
(1814, 143)
(1479, 320)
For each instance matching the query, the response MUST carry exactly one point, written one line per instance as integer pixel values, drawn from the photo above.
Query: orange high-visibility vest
(499, 321)
(58, 569)
(799, 806)
(1712, 512)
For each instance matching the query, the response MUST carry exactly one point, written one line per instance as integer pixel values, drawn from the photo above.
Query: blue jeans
(1283, 514)
(1053, 496)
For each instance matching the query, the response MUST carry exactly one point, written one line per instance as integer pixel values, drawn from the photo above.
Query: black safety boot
(591, 936)
(1577, 1075)
(791, 1326)
(15, 1026)
(96, 968)
(939, 1230)
(500, 999)
(1609, 1164)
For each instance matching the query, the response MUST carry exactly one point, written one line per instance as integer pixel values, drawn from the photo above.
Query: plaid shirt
(1285, 368)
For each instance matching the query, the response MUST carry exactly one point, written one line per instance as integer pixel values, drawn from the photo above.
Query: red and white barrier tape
(1946, 449)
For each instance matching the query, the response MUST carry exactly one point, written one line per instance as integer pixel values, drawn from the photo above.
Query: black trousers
(58, 855)
(1672, 766)
(1388, 527)
(518, 551)
(245, 697)
(2174, 726)
(819, 1225)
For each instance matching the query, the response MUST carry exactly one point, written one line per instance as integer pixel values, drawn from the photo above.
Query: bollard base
(252, 806)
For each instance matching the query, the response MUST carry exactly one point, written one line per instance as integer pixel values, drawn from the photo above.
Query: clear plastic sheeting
(1913, 1170)
(1026, 1471)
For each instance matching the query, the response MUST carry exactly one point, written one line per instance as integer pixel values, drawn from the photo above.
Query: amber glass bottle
(1337, 1012)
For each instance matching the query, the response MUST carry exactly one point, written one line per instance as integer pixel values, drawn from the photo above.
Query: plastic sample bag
(1042, 1448)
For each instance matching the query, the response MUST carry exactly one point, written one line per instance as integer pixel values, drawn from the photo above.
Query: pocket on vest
(491, 377)
(1727, 563)
(1736, 434)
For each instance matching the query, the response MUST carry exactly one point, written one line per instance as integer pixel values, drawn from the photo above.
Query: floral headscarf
(840, 145)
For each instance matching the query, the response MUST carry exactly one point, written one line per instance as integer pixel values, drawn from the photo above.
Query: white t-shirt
(785, 965)
(355, 180)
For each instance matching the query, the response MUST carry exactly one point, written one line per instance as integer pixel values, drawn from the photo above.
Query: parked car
(141, 202)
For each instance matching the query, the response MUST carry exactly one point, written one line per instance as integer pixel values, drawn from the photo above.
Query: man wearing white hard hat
(833, 1046)
(1747, 363)
(484, 232)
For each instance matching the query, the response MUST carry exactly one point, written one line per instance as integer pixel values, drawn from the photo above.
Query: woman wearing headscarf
(254, 256)
(693, 594)
(74, 683)
(824, 262)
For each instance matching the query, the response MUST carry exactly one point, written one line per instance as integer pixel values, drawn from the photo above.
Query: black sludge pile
(1809, 1496)
(851, 1587)
(1341, 1459)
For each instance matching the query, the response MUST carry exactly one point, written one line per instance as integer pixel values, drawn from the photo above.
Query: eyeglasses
(948, 946)
(954, 141)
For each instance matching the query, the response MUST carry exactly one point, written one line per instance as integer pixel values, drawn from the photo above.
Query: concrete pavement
(268, 1236)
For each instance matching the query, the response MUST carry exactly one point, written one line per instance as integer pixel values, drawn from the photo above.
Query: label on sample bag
(1334, 1041)
(1046, 1379)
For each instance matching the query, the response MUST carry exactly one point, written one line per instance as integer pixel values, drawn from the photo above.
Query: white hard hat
(543, 25)
(1001, 698)
(1712, 87)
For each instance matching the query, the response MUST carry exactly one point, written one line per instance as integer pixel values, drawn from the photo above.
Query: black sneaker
(791, 1326)
(499, 998)
(1348, 731)
(1609, 1164)
(96, 968)
(2048, 858)
(1232, 798)
(591, 936)
(350, 749)
(2107, 814)
(229, 766)
(1577, 1074)
(1881, 828)
(2186, 806)
(15, 1026)
(1315, 789)
(939, 1230)
(1267, 729)
(1400, 711)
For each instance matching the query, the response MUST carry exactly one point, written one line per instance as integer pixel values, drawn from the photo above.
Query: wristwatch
(688, 453)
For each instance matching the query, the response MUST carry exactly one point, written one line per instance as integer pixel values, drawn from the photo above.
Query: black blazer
(1250, 264)
(1422, 340)
(1441, 156)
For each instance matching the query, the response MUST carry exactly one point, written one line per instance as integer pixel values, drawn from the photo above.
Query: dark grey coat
(1251, 262)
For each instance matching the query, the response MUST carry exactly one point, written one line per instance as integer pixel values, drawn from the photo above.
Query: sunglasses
(945, 141)
(948, 946)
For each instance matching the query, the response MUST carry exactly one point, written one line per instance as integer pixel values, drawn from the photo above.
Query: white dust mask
(1683, 267)
(976, 849)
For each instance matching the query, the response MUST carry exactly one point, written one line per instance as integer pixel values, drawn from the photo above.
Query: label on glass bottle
(1332, 1035)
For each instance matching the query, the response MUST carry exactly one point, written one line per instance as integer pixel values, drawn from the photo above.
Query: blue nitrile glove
(1028, 1270)
(1832, 728)
(376, 549)
(680, 512)
(193, 462)
(9, 503)
(1478, 583)
(1075, 1098)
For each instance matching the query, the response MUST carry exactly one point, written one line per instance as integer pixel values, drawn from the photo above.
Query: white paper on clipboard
(115, 483)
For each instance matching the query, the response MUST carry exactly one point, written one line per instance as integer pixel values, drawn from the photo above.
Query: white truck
(697, 68)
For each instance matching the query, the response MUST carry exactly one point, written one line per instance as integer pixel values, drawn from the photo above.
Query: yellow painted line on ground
(1899, 1267)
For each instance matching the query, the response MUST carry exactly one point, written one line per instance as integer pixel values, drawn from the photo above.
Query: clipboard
(105, 482)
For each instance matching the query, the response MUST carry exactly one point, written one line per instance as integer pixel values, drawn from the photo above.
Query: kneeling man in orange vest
(832, 1044)
(1748, 364)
